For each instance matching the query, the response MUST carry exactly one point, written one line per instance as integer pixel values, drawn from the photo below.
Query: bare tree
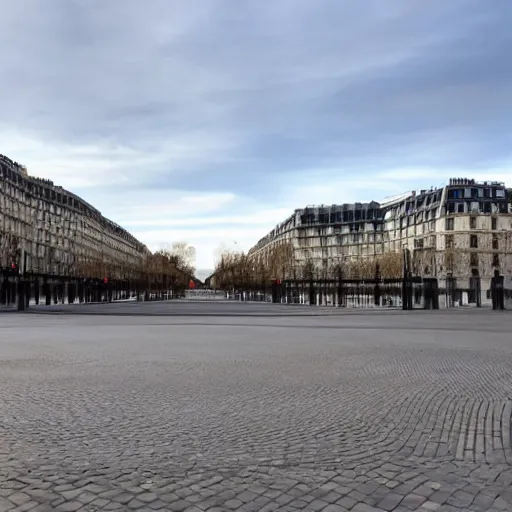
(183, 256)
(238, 270)
(309, 270)
(390, 265)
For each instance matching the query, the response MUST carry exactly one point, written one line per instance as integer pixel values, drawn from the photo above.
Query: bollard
(47, 292)
(21, 295)
(497, 291)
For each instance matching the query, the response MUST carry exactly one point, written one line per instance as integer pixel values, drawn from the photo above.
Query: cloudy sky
(211, 120)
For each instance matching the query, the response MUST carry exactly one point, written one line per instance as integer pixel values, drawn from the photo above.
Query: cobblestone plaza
(210, 407)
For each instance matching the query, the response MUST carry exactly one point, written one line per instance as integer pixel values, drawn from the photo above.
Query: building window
(448, 242)
(473, 241)
(449, 261)
(495, 244)
(472, 222)
(495, 260)
(449, 224)
(473, 259)
(494, 223)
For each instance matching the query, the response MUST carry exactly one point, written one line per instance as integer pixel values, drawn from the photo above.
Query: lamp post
(406, 284)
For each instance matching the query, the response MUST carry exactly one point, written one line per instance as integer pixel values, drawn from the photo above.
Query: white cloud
(229, 217)
(162, 207)
(75, 165)
(327, 188)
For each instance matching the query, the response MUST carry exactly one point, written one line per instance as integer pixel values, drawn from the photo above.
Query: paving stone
(147, 497)
(441, 496)
(316, 505)
(69, 506)
(461, 499)
(19, 498)
(25, 507)
(391, 501)
(346, 502)
(298, 504)
(482, 502)
(233, 504)
(362, 507)
(6, 505)
(334, 508)
(430, 506)
(146, 413)
(270, 507)
(413, 501)
(423, 490)
(178, 506)
(134, 504)
(113, 506)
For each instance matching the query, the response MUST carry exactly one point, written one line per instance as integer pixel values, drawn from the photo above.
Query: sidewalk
(9, 308)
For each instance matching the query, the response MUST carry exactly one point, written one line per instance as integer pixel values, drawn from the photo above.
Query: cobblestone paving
(364, 413)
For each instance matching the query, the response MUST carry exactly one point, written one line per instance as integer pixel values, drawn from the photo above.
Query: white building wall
(423, 230)
(56, 236)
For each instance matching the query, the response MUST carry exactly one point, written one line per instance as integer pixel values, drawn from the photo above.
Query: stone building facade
(459, 233)
(59, 232)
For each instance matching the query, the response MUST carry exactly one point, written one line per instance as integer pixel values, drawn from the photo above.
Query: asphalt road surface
(253, 407)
